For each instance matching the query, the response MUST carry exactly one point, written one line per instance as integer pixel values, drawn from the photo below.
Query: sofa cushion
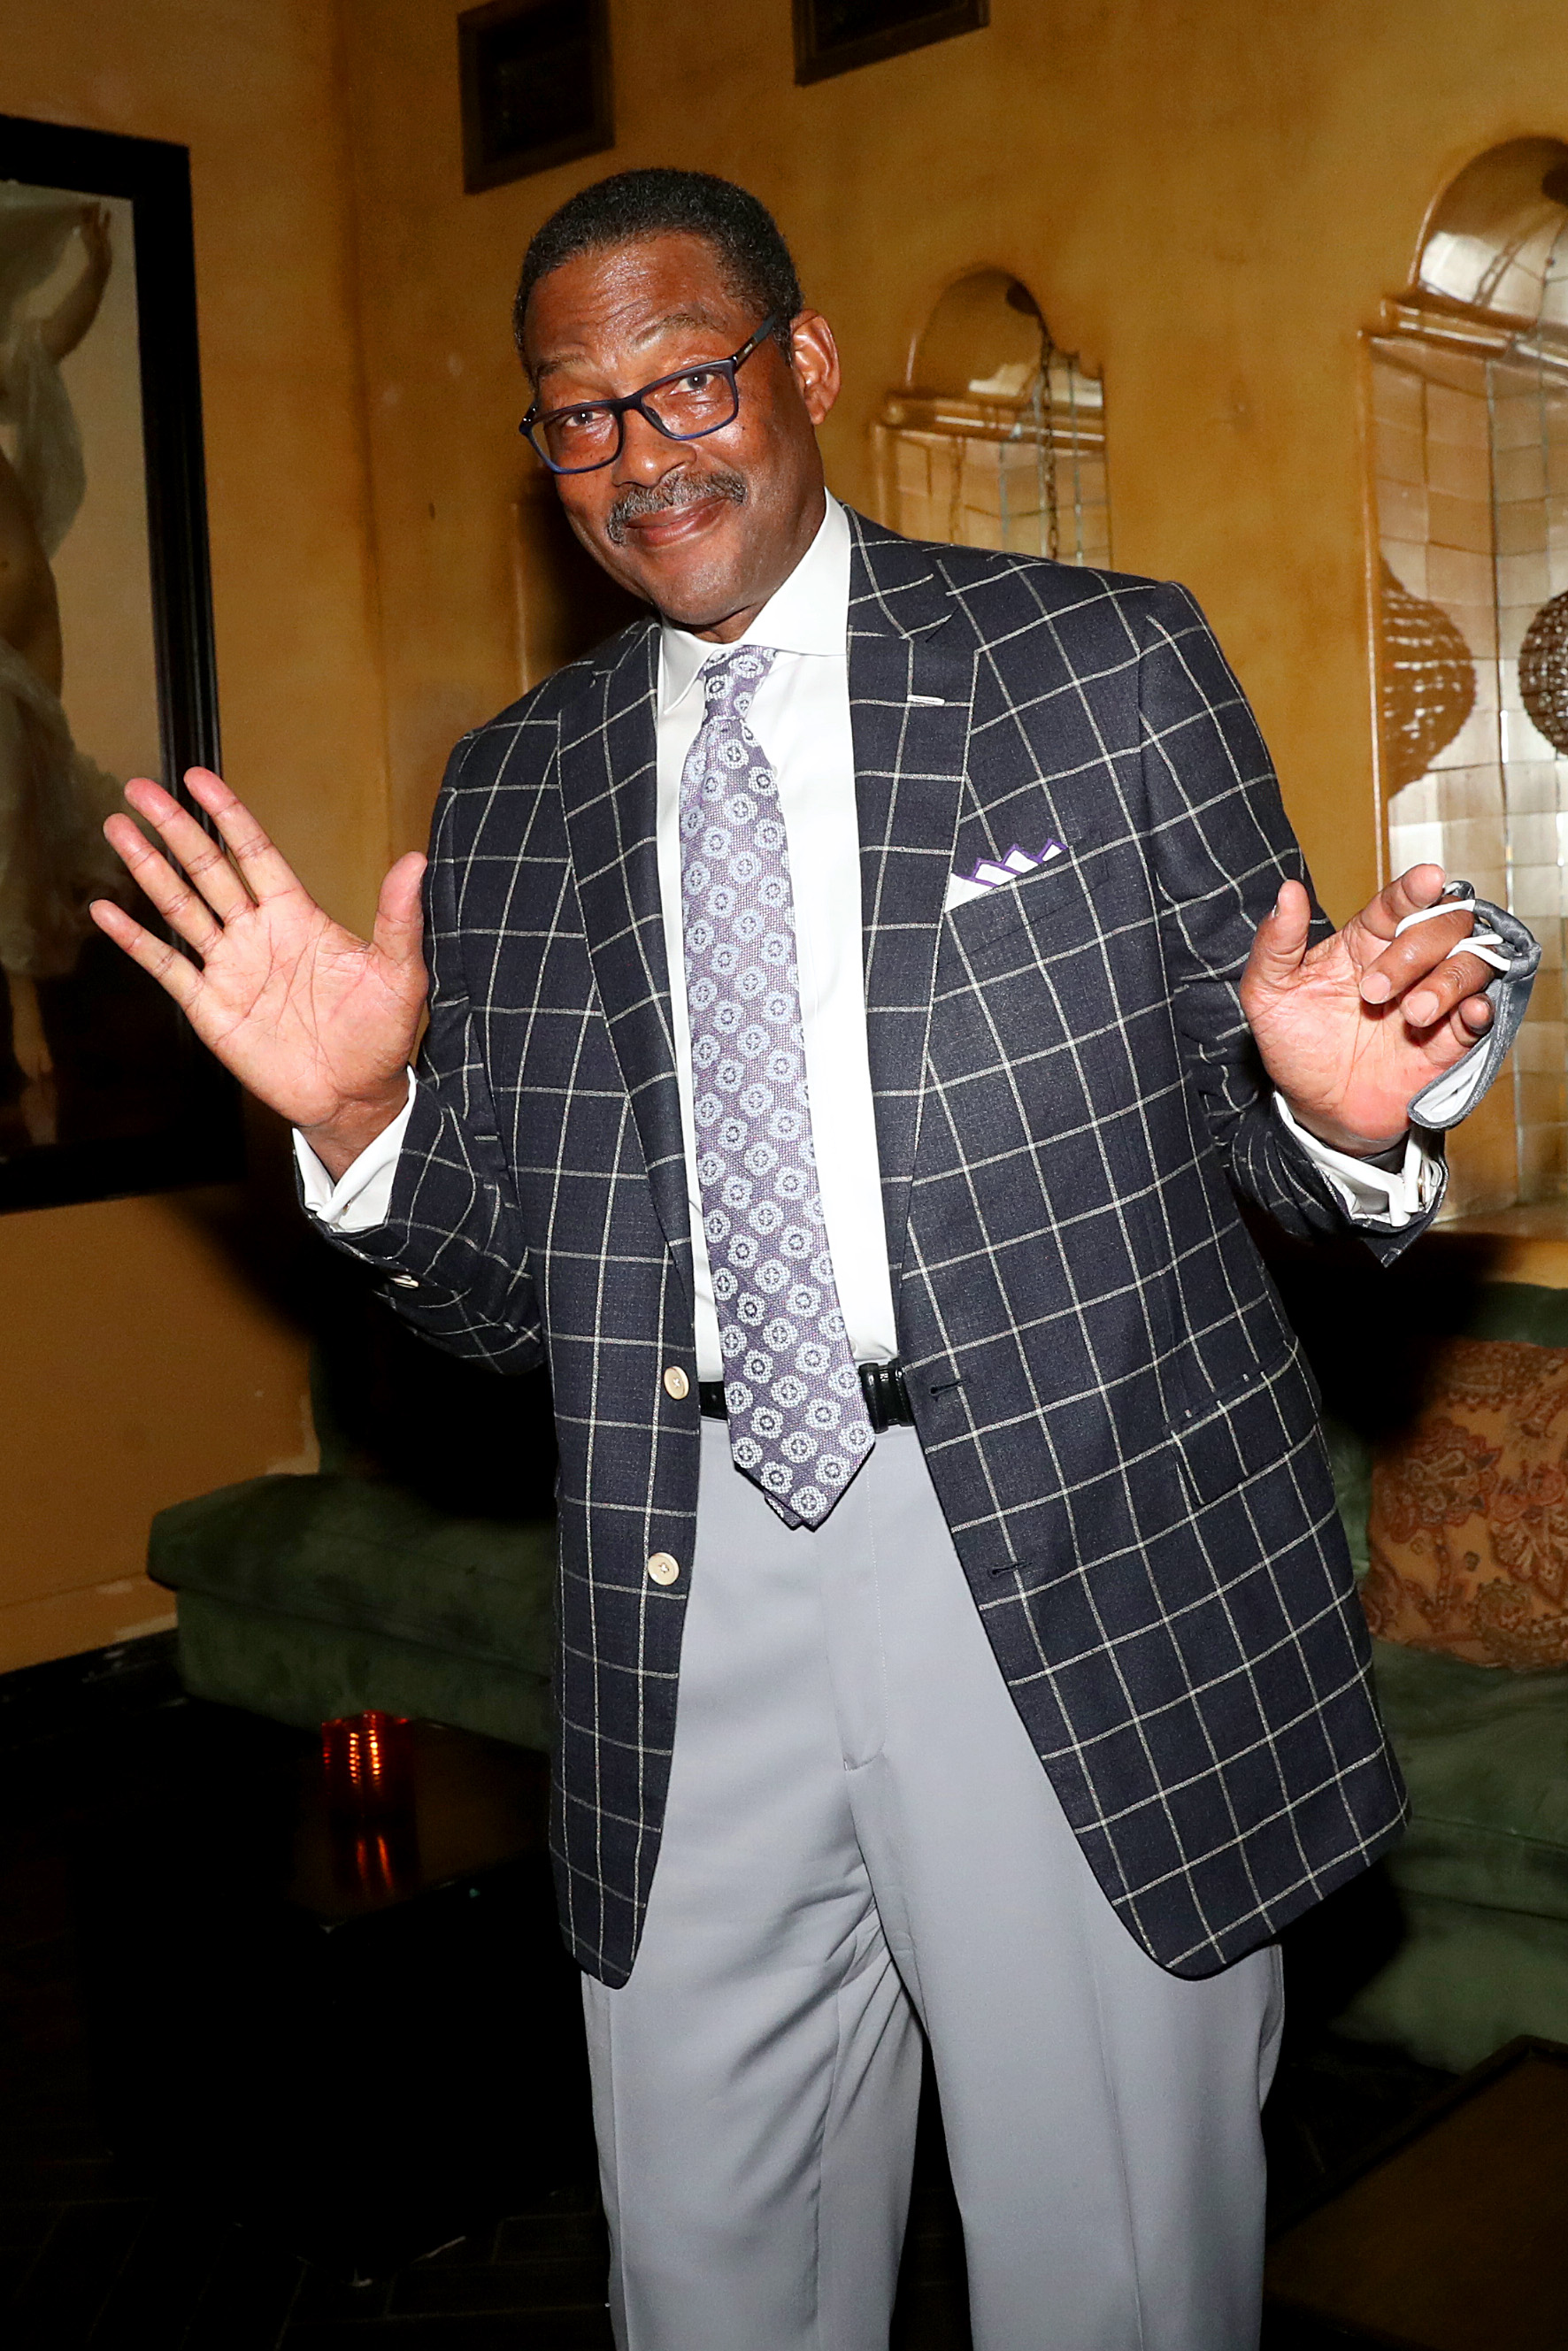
(1463, 1983)
(350, 1552)
(297, 1670)
(1467, 1534)
(1485, 1756)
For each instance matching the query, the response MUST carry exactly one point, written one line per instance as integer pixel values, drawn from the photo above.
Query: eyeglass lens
(686, 406)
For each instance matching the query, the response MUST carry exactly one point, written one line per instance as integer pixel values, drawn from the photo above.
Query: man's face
(705, 530)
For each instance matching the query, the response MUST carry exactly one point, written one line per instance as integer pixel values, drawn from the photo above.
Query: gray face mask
(1501, 940)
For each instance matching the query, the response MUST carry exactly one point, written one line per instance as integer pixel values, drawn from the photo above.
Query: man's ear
(814, 362)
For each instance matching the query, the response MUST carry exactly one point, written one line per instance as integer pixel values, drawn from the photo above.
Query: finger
(1407, 962)
(267, 873)
(1420, 886)
(168, 967)
(1280, 940)
(202, 857)
(1454, 1037)
(1457, 981)
(181, 906)
(399, 921)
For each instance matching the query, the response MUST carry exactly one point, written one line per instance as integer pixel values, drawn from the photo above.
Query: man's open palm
(319, 1024)
(1351, 1029)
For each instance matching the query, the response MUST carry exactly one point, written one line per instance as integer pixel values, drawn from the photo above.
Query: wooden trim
(205, 1143)
(817, 56)
(484, 167)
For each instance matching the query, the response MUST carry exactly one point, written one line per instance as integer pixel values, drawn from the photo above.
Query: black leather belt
(886, 1397)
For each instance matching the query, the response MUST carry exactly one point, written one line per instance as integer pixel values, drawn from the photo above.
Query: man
(737, 1072)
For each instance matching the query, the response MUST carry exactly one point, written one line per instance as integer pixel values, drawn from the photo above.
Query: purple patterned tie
(798, 1423)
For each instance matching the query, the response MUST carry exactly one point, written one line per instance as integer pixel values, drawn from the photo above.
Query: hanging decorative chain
(1045, 446)
(1543, 670)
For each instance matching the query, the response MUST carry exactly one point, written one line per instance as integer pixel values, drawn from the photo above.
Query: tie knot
(732, 678)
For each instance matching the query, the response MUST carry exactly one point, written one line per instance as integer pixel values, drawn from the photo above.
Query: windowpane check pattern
(1119, 1431)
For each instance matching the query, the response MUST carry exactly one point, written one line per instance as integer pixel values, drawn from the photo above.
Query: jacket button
(404, 1281)
(676, 1383)
(663, 1568)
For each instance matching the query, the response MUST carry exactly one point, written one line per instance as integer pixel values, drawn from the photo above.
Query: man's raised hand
(316, 1023)
(1351, 1029)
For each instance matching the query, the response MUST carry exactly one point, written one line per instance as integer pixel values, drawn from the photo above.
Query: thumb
(400, 922)
(1280, 941)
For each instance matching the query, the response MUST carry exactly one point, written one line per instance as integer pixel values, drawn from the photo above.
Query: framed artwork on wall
(106, 657)
(833, 36)
(535, 82)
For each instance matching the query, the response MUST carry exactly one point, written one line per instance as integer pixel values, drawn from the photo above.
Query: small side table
(1449, 2237)
(363, 2039)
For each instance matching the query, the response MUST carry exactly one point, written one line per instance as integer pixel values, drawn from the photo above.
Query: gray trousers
(859, 1835)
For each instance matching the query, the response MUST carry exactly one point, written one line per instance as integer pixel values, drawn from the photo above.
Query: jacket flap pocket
(1245, 1429)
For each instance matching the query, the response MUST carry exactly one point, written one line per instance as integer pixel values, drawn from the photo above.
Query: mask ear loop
(1487, 945)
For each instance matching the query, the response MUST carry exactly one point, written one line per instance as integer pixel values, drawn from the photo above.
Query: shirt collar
(809, 614)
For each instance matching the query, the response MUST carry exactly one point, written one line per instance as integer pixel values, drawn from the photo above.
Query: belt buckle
(882, 1385)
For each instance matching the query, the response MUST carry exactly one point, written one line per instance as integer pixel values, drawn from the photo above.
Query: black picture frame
(536, 87)
(834, 36)
(142, 1106)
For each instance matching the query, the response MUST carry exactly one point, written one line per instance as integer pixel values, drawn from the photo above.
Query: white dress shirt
(800, 716)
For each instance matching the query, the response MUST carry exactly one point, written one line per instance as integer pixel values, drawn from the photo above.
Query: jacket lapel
(912, 685)
(609, 782)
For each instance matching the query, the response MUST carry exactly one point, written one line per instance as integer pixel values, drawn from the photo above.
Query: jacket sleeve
(453, 1250)
(1221, 846)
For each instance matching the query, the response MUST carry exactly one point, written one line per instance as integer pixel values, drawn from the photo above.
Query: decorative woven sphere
(1428, 681)
(1543, 670)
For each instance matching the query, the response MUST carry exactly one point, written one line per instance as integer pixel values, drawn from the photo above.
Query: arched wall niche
(996, 438)
(1469, 449)
(1490, 243)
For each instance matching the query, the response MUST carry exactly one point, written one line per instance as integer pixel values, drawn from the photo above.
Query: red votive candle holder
(368, 1763)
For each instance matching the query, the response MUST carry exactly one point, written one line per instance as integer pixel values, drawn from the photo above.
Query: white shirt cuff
(1368, 1195)
(361, 1197)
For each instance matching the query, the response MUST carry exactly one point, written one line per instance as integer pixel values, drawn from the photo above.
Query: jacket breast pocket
(1051, 906)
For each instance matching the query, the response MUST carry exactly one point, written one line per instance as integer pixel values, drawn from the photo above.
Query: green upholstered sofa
(1481, 1877)
(304, 1598)
(307, 1597)
(414, 1572)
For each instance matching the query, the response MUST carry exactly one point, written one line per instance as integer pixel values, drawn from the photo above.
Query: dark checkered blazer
(1119, 1427)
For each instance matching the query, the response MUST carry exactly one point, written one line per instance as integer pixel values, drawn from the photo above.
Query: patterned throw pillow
(1469, 1530)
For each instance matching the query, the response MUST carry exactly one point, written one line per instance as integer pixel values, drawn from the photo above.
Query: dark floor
(402, 2102)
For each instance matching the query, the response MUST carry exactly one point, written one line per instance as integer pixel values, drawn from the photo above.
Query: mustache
(677, 490)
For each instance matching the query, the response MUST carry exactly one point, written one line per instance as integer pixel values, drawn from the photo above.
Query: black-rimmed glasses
(683, 407)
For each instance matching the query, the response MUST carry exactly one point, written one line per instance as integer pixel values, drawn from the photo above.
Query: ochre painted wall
(137, 1365)
(1208, 198)
(1210, 201)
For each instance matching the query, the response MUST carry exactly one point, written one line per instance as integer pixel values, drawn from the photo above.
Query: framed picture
(106, 657)
(534, 79)
(832, 37)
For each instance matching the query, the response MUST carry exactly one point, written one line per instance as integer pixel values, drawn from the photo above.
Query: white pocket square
(997, 874)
